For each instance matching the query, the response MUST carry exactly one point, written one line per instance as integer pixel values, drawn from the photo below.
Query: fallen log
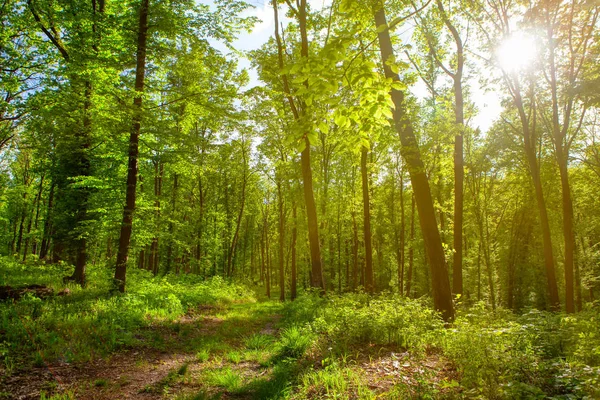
(15, 293)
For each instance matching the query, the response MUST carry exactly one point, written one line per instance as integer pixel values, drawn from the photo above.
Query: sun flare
(517, 52)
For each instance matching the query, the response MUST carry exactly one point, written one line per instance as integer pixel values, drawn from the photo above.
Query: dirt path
(203, 351)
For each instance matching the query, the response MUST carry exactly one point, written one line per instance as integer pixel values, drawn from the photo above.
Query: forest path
(211, 352)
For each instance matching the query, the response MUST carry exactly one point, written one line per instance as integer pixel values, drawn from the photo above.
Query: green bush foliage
(497, 354)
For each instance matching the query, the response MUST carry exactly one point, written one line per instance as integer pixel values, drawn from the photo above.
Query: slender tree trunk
(528, 125)
(132, 169)
(36, 205)
(545, 224)
(24, 209)
(568, 231)
(47, 224)
(240, 215)
(294, 273)
(171, 227)
(354, 252)
(37, 216)
(457, 279)
(281, 243)
(309, 198)
(411, 251)
(442, 294)
(369, 285)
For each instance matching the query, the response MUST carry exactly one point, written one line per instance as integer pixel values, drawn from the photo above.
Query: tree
(442, 295)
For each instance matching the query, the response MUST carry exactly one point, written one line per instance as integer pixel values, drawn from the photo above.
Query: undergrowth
(95, 321)
(494, 355)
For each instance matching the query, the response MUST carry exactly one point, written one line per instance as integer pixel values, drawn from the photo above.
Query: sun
(517, 52)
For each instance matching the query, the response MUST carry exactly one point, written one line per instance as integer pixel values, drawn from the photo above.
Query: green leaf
(323, 127)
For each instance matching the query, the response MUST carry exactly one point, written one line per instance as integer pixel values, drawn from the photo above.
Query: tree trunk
(568, 232)
(37, 216)
(47, 224)
(281, 243)
(442, 294)
(411, 251)
(294, 238)
(132, 168)
(369, 286)
(239, 217)
(171, 227)
(36, 205)
(309, 198)
(354, 252)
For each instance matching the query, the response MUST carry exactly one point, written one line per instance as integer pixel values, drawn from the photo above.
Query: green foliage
(258, 341)
(496, 355)
(294, 342)
(226, 378)
(355, 319)
(93, 322)
(333, 382)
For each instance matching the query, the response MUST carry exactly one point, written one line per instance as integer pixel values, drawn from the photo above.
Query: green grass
(95, 322)
(226, 378)
(317, 347)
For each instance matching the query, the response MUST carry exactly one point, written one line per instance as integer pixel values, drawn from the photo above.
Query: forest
(299, 199)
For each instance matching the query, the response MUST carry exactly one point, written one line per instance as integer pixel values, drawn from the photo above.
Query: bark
(457, 279)
(47, 224)
(36, 205)
(240, 215)
(354, 252)
(294, 273)
(442, 294)
(309, 198)
(132, 168)
(171, 227)
(411, 251)
(37, 216)
(369, 285)
(83, 194)
(281, 243)
(153, 261)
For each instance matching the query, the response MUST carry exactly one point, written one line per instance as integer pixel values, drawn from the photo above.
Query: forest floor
(193, 338)
(203, 351)
(219, 352)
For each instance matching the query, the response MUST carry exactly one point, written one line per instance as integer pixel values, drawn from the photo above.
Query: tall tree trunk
(354, 252)
(132, 168)
(240, 215)
(442, 294)
(24, 208)
(528, 125)
(281, 243)
(457, 279)
(37, 216)
(171, 227)
(36, 205)
(294, 273)
(153, 261)
(411, 251)
(47, 223)
(568, 231)
(369, 286)
(309, 197)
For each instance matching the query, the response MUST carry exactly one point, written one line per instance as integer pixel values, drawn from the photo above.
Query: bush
(358, 319)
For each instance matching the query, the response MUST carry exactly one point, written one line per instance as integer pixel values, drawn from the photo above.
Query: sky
(487, 101)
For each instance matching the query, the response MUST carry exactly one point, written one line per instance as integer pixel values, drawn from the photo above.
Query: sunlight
(517, 52)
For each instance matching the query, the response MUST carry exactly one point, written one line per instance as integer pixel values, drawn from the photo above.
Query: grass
(337, 347)
(226, 378)
(94, 322)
